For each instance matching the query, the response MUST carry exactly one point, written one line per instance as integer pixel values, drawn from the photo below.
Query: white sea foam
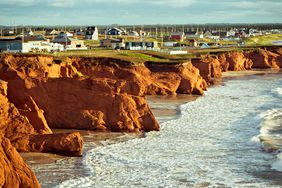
(256, 141)
(271, 114)
(210, 143)
(278, 91)
(277, 165)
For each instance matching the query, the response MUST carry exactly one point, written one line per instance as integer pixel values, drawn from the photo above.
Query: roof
(65, 39)
(219, 33)
(10, 39)
(177, 33)
(190, 33)
(115, 28)
(31, 38)
(91, 28)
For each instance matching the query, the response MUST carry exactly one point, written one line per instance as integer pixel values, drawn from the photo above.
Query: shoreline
(48, 167)
(124, 108)
(52, 169)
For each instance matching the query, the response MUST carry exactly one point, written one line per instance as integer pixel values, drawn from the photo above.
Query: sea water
(230, 137)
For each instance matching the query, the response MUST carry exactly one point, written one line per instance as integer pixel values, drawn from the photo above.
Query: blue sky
(104, 12)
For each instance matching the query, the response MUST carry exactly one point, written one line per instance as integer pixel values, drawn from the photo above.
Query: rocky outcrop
(13, 170)
(101, 94)
(224, 64)
(26, 136)
(237, 61)
(210, 67)
(263, 58)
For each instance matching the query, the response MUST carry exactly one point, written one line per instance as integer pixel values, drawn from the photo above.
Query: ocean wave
(207, 144)
(278, 91)
(277, 164)
(271, 114)
(267, 139)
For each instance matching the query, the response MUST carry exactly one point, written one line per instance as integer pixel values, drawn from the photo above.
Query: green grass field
(265, 40)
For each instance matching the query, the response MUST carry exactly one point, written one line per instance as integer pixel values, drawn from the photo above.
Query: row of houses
(217, 35)
(38, 43)
(120, 43)
(29, 44)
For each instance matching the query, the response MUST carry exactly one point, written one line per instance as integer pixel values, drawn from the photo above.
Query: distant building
(170, 44)
(112, 43)
(10, 45)
(133, 34)
(193, 42)
(254, 32)
(205, 45)
(38, 43)
(26, 44)
(141, 45)
(230, 33)
(54, 32)
(177, 36)
(207, 34)
(242, 33)
(91, 33)
(116, 31)
(194, 35)
(28, 33)
(69, 43)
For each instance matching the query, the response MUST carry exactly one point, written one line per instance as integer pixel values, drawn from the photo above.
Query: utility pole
(133, 32)
(23, 41)
(156, 33)
(162, 38)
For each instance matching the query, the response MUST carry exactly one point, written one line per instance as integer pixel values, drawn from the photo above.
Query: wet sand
(52, 169)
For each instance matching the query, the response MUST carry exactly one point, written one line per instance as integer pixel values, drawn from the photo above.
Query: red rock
(209, 67)
(237, 61)
(80, 93)
(13, 170)
(23, 135)
(223, 63)
(262, 58)
(66, 144)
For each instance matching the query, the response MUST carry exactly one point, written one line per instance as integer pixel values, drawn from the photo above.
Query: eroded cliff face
(263, 58)
(13, 170)
(38, 93)
(24, 134)
(213, 66)
(92, 93)
(209, 67)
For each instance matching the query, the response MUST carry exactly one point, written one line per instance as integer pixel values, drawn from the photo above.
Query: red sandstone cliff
(26, 136)
(236, 61)
(263, 58)
(92, 93)
(210, 67)
(14, 172)
(100, 94)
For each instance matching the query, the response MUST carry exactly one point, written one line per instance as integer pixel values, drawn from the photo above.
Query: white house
(70, 43)
(38, 43)
(91, 33)
(133, 34)
(141, 45)
(231, 33)
(115, 31)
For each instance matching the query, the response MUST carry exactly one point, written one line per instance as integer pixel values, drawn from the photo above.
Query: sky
(137, 12)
